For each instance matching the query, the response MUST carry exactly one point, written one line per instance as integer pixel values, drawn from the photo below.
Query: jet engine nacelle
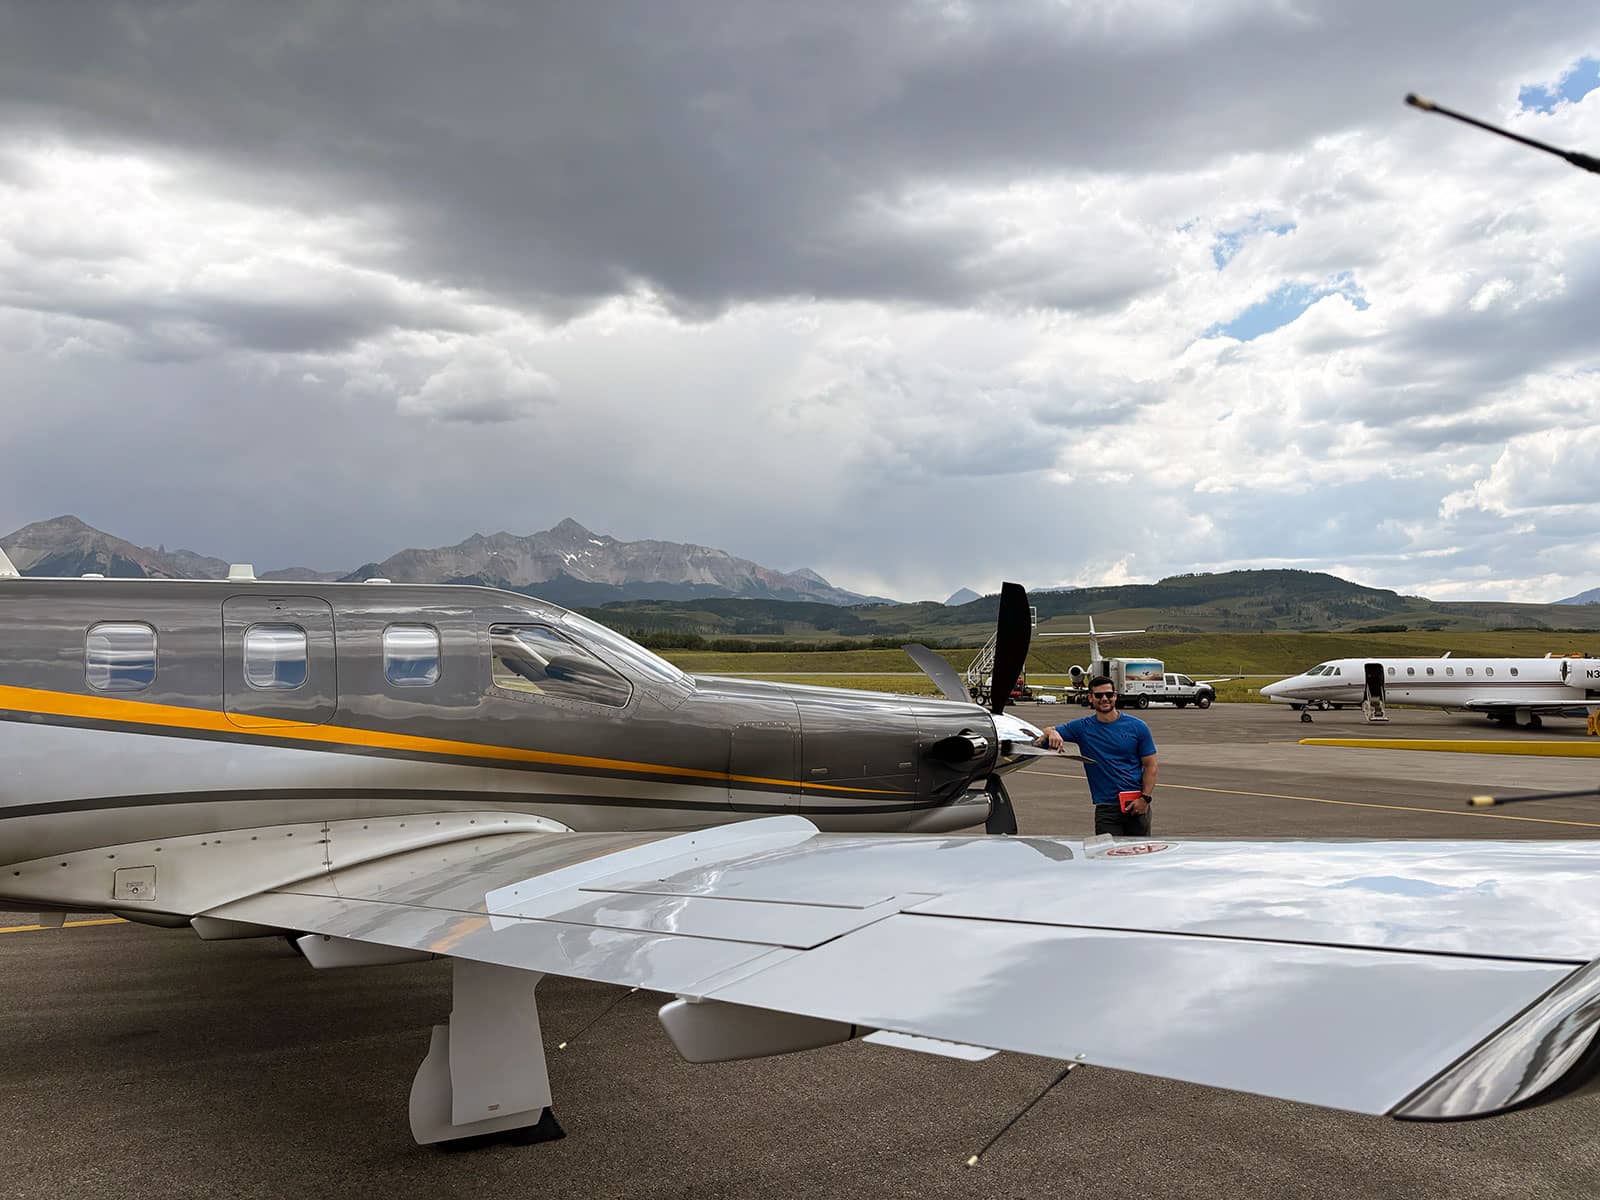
(1582, 674)
(1076, 674)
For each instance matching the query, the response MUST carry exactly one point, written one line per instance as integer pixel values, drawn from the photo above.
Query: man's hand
(1052, 739)
(1139, 807)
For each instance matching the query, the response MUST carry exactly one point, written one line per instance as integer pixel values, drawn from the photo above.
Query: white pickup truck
(1183, 691)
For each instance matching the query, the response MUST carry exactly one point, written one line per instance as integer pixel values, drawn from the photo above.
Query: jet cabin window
(536, 660)
(275, 657)
(411, 655)
(119, 657)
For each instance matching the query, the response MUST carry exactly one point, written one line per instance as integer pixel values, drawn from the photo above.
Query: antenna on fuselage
(1584, 162)
(7, 571)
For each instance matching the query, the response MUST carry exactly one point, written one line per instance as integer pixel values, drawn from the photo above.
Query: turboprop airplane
(389, 773)
(1507, 690)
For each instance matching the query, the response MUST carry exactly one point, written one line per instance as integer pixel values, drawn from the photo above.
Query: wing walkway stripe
(1444, 812)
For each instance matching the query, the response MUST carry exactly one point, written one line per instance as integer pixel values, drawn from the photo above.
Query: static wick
(1497, 801)
(603, 1012)
(1577, 158)
(987, 1146)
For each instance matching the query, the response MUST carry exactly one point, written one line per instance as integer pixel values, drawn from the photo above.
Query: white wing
(1422, 979)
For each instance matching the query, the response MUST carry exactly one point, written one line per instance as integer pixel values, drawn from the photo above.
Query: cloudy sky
(919, 295)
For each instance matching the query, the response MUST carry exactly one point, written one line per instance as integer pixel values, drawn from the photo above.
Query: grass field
(1264, 656)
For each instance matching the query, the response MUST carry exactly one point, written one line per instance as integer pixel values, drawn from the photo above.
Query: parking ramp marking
(63, 925)
(1447, 812)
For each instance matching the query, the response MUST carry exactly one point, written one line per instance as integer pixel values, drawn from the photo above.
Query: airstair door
(277, 661)
(1372, 692)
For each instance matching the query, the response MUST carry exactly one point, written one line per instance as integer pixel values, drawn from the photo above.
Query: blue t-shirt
(1116, 748)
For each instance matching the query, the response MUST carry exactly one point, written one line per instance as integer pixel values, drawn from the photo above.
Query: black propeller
(1013, 631)
(937, 669)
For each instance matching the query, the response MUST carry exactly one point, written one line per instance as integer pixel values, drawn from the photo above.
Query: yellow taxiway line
(1445, 812)
(1546, 749)
(63, 925)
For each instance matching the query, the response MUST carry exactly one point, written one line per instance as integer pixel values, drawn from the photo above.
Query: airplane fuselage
(1475, 684)
(134, 712)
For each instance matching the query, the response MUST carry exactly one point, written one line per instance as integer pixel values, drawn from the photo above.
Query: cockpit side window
(119, 656)
(646, 662)
(536, 660)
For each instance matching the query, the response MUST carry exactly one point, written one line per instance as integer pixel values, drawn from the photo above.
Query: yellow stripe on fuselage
(172, 716)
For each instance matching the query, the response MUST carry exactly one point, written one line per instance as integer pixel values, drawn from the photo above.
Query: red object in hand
(1128, 799)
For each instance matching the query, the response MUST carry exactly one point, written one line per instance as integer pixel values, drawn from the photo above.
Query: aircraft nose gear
(1305, 717)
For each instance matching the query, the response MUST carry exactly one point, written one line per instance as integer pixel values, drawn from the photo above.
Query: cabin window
(1488, 670)
(536, 660)
(1411, 670)
(275, 657)
(1430, 670)
(1450, 671)
(1391, 670)
(1469, 670)
(1513, 670)
(411, 655)
(119, 656)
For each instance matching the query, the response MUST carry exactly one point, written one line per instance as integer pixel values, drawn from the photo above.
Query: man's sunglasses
(1104, 695)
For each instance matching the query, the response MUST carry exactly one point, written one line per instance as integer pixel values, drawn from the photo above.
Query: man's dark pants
(1109, 818)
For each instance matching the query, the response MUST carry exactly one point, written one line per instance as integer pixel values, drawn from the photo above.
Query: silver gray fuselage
(199, 750)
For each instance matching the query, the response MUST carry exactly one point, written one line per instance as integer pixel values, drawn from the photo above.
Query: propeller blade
(938, 670)
(1002, 817)
(1013, 631)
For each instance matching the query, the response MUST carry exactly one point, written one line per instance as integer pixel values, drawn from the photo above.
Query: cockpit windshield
(646, 663)
(1321, 669)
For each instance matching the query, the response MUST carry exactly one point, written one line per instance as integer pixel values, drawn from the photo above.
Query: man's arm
(1147, 784)
(1052, 737)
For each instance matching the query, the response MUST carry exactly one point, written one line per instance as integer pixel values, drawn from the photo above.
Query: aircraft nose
(1274, 689)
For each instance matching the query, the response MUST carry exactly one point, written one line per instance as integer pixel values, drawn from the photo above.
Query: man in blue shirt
(1121, 757)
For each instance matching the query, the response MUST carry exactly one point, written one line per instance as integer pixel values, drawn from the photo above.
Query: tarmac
(142, 1062)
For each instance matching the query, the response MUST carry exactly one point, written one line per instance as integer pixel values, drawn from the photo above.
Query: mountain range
(566, 564)
(678, 587)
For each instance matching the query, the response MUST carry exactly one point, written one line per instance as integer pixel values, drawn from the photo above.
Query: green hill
(1267, 601)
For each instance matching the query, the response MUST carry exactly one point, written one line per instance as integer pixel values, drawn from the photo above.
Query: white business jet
(1507, 690)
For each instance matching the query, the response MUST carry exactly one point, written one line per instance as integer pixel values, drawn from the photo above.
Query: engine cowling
(1581, 674)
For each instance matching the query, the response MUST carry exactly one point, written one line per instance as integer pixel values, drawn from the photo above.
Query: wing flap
(1350, 1029)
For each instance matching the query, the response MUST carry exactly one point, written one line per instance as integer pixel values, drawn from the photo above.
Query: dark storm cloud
(716, 153)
